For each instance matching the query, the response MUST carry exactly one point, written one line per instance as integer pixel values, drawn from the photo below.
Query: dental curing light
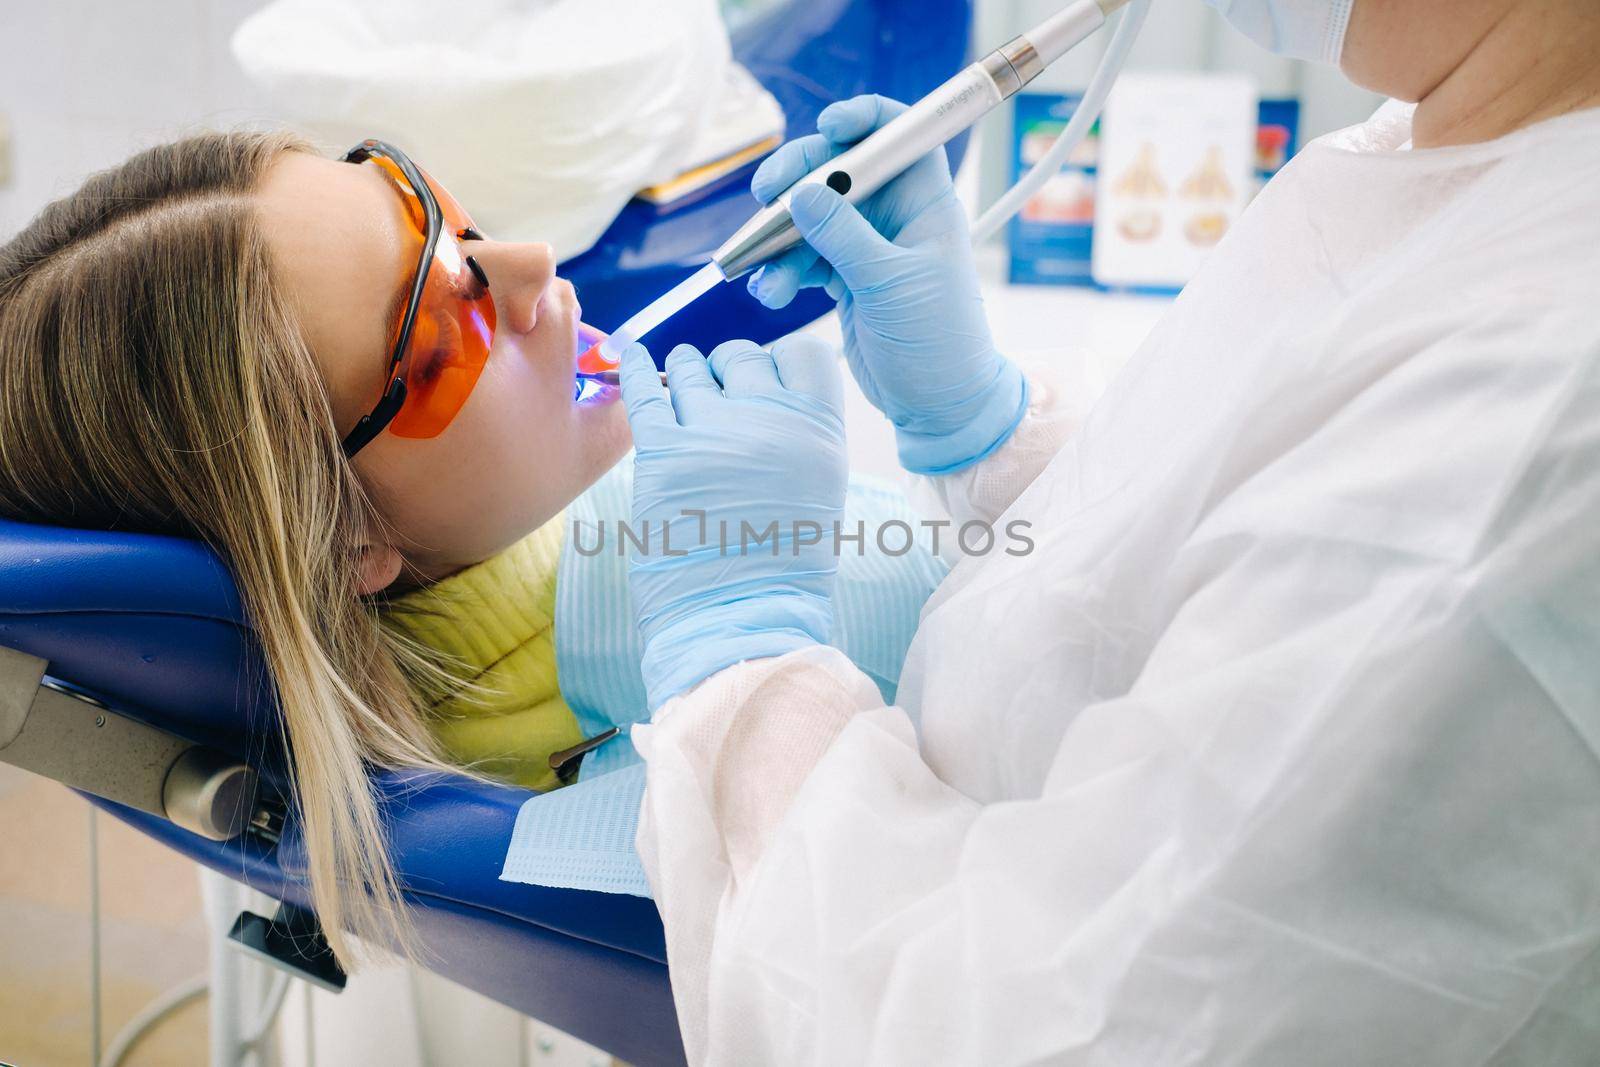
(867, 166)
(871, 163)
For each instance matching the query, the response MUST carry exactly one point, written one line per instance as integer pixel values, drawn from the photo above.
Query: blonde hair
(152, 378)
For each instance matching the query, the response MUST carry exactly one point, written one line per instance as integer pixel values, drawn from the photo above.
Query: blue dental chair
(152, 628)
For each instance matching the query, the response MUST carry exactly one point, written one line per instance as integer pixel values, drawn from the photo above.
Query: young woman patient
(235, 339)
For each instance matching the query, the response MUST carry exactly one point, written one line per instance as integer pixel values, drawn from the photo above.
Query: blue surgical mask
(1302, 29)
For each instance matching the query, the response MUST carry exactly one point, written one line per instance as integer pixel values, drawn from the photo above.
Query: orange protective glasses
(443, 336)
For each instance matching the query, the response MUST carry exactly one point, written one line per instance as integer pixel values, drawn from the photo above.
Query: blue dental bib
(581, 836)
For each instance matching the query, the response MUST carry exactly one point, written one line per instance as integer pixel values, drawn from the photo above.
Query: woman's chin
(603, 422)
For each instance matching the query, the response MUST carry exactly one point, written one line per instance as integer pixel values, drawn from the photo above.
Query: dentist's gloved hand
(915, 335)
(747, 440)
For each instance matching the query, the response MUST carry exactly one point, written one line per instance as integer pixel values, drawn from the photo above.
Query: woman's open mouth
(587, 360)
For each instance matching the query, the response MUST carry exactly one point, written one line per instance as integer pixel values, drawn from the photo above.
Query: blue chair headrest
(148, 622)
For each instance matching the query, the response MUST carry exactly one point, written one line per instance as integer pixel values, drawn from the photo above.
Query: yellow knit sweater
(495, 623)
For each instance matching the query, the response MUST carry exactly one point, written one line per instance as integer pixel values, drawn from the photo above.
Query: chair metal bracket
(55, 729)
(292, 941)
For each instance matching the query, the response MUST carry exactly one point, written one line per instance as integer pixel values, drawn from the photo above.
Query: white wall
(84, 83)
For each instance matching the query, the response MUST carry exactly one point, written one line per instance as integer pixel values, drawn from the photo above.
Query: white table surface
(1088, 332)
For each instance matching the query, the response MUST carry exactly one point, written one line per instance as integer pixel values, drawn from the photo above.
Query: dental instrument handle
(611, 377)
(959, 103)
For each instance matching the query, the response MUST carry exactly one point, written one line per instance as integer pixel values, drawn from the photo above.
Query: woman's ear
(376, 568)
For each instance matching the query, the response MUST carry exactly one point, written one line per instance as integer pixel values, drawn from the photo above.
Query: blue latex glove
(747, 439)
(915, 335)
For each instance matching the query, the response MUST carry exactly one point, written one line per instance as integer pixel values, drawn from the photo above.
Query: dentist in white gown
(1282, 744)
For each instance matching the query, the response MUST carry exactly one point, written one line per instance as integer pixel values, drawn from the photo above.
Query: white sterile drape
(543, 117)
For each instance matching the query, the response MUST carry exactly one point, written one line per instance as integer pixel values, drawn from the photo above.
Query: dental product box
(1177, 166)
(1053, 234)
(1052, 239)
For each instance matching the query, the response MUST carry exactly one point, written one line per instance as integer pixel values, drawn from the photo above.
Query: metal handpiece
(956, 105)
(611, 377)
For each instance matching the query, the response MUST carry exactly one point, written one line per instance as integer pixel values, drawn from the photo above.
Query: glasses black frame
(394, 396)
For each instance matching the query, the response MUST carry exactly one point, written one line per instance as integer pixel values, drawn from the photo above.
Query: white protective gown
(1279, 748)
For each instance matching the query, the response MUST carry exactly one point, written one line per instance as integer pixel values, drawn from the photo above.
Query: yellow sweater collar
(494, 623)
(480, 615)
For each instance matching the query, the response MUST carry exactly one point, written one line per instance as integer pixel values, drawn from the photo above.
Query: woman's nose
(518, 276)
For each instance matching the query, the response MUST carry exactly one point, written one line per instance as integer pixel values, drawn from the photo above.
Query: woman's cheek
(608, 433)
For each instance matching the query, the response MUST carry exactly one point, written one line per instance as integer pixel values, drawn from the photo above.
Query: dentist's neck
(1539, 61)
